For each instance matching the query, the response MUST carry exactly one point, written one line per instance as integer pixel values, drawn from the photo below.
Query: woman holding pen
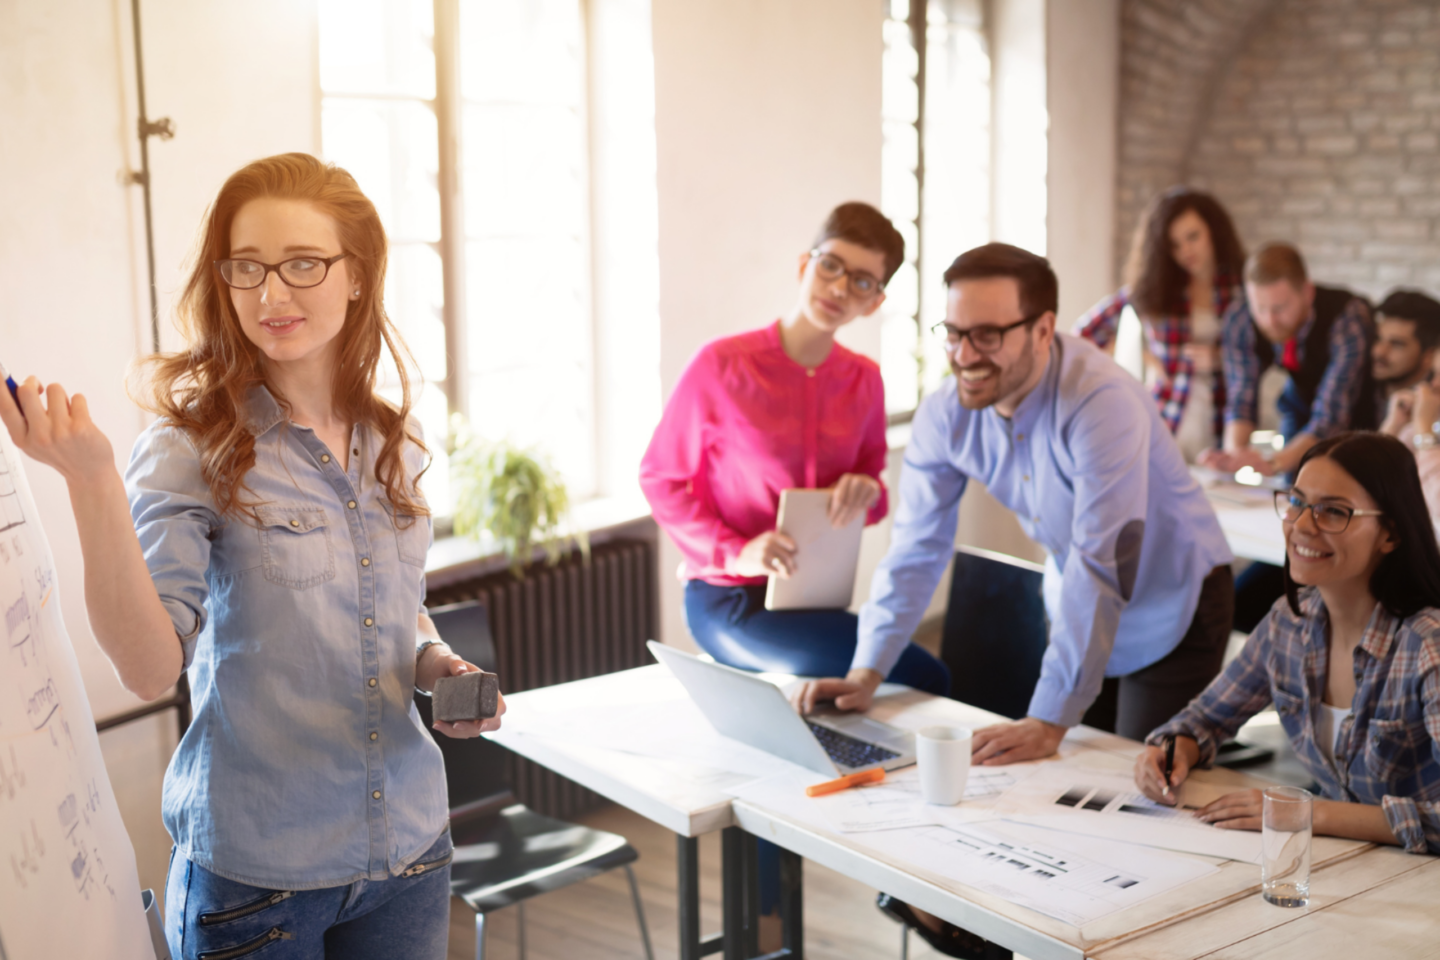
(1350, 657)
(269, 536)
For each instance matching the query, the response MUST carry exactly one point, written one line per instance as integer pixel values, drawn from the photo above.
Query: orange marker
(873, 775)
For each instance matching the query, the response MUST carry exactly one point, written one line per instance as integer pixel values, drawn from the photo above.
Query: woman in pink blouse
(780, 407)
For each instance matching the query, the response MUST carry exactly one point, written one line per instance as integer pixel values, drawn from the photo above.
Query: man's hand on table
(1027, 739)
(1229, 461)
(855, 692)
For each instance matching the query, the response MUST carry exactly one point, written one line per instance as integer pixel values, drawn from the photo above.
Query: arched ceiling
(1171, 52)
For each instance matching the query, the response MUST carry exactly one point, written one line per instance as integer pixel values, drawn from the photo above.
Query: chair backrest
(475, 770)
(995, 631)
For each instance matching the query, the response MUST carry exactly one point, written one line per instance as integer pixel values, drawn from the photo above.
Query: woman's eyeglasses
(1328, 517)
(830, 267)
(298, 272)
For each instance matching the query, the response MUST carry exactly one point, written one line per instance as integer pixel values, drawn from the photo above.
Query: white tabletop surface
(1222, 912)
(1247, 517)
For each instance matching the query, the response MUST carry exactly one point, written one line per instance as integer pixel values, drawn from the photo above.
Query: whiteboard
(68, 885)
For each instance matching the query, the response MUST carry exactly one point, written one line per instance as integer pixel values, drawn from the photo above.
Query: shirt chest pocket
(295, 546)
(1390, 749)
(412, 535)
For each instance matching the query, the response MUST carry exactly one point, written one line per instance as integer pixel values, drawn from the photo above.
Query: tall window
(935, 175)
(514, 190)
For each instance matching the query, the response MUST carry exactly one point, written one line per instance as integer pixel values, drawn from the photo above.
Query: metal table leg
(692, 945)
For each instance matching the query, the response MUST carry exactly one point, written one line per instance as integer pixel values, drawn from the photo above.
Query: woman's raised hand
(852, 495)
(56, 430)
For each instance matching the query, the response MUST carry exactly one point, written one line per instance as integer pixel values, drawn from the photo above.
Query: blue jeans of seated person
(733, 626)
(402, 918)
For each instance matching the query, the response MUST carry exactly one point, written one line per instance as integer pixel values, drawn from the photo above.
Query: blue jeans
(733, 626)
(401, 918)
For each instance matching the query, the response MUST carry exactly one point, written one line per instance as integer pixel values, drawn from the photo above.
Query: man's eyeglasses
(830, 267)
(298, 272)
(1328, 517)
(986, 339)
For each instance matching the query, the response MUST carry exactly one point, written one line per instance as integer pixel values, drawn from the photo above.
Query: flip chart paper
(68, 886)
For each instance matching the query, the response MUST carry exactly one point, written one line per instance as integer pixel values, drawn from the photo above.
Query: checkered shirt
(1387, 751)
(1166, 338)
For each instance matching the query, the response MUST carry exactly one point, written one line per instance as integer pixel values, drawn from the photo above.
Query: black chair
(506, 853)
(995, 635)
(995, 631)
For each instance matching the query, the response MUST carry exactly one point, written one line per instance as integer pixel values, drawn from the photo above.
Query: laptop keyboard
(850, 751)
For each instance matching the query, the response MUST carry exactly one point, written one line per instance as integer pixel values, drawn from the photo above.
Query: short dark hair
(1419, 309)
(1274, 262)
(1408, 579)
(863, 225)
(1158, 285)
(1039, 290)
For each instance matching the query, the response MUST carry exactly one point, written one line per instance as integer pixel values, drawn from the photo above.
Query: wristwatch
(420, 652)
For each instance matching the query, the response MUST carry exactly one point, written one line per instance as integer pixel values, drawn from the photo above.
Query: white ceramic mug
(943, 754)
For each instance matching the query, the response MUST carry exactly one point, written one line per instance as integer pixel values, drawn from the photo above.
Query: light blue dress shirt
(306, 764)
(1095, 478)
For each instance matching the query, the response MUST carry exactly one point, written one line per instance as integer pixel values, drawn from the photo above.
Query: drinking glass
(1285, 844)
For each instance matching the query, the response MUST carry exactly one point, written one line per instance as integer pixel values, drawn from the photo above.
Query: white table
(1220, 912)
(1248, 518)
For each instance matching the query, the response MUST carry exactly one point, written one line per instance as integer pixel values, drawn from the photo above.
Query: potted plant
(512, 493)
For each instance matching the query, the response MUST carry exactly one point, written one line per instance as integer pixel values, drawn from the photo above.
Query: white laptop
(825, 560)
(748, 708)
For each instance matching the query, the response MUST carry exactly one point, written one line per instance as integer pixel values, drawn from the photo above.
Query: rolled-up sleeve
(1340, 386)
(1241, 363)
(1110, 440)
(1416, 823)
(1102, 321)
(921, 543)
(174, 518)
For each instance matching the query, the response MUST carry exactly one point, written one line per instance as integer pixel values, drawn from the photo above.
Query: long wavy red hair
(203, 389)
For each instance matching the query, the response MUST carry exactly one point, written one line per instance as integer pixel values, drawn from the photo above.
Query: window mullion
(448, 114)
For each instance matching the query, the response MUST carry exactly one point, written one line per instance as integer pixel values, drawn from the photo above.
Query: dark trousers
(1256, 590)
(1138, 702)
(733, 626)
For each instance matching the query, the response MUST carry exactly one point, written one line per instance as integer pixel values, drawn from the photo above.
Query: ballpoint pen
(10, 382)
(1169, 763)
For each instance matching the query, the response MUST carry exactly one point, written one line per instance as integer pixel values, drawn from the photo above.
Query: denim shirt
(306, 764)
(1388, 749)
(1095, 478)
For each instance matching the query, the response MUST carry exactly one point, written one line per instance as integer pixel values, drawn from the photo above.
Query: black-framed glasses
(830, 267)
(297, 272)
(986, 338)
(1328, 517)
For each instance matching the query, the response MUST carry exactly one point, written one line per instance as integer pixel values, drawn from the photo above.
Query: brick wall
(1326, 133)
(1171, 52)
(1314, 121)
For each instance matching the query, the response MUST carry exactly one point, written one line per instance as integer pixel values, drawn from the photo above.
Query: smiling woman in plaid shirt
(1182, 278)
(1362, 576)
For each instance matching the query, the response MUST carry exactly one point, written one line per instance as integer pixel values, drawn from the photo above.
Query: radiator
(563, 623)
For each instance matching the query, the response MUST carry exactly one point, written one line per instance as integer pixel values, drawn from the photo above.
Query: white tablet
(825, 562)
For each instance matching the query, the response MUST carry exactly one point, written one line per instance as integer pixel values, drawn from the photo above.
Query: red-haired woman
(269, 536)
(1182, 278)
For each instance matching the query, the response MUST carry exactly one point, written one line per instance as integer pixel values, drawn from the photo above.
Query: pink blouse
(745, 422)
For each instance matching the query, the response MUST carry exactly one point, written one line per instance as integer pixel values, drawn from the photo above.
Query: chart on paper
(1104, 804)
(1074, 879)
(68, 886)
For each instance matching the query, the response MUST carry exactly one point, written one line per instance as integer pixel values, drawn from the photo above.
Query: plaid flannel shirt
(1166, 339)
(1339, 388)
(1387, 751)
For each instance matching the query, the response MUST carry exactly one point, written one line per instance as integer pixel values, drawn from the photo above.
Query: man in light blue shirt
(1074, 445)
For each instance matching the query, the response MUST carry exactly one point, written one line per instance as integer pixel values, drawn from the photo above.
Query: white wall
(72, 256)
(766, 117)
(1083, 84)
(1019, 122)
